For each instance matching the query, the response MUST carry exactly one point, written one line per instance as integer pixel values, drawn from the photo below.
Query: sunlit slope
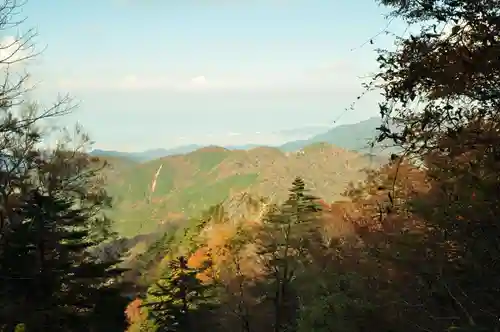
(187, 184)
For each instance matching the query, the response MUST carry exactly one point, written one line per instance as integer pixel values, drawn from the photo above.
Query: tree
(442, 93)
(284, 244)
(446, 77)
(233, 277)
(137, 317)
(20, 122)
(50, 203)
(334, 302)
(179, 301)
(54, 283)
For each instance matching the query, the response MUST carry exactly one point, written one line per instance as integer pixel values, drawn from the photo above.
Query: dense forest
(414, 247)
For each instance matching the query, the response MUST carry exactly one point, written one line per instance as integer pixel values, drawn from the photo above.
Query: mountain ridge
(354, 137)
(348, 136)
(185, 185)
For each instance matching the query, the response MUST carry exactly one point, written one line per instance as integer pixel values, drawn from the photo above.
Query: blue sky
(154, 73)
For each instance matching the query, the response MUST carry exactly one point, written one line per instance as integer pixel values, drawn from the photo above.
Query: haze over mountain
(354, 137)
(306, 131)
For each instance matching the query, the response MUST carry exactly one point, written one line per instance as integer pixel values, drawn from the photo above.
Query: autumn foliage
(134, 312)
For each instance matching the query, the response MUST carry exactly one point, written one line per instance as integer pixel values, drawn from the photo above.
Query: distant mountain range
(354, 137)
(153, 154)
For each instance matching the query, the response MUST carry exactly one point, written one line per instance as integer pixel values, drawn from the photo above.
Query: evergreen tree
(53, 282)
(179, 302)
(284, 246)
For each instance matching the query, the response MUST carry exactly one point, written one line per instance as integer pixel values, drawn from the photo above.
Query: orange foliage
(199, 260)
(133, 312)
(219, 235)
(218, 257)
(215, 251)
(334, 220)
(374, 204)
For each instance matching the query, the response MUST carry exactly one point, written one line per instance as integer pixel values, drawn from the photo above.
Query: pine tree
(180, 302)
(53, 282)
(284, 248)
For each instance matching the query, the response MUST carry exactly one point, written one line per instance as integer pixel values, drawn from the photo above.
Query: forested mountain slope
(150, 194)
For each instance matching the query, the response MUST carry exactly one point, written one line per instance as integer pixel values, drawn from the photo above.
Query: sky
(157, 74)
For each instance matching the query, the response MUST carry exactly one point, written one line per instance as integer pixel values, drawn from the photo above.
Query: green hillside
(188, 184)
(354, 137)
(113, 167)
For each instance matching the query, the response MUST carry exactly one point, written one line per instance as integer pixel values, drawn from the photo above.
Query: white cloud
(268, 83)
(135, 82)
(12, 50)
(199, 80)
(336, 76)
